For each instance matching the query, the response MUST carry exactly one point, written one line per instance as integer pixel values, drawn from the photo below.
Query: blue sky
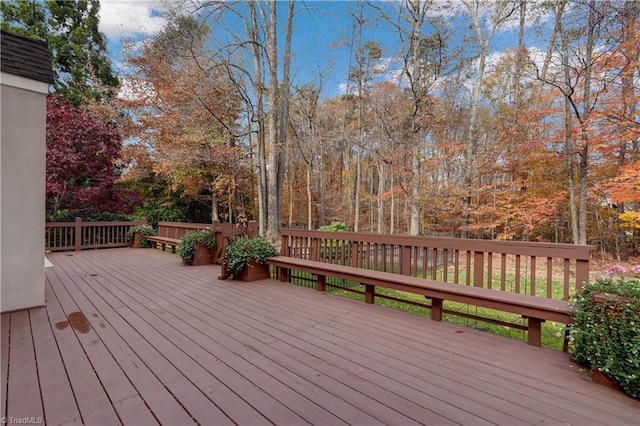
(320, 41)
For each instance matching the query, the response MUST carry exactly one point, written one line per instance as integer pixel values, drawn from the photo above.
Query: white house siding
(22, 192)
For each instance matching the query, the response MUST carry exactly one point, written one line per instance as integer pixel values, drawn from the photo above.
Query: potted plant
(605, 335)
(196, 248)
(137, 235)
(245, 258)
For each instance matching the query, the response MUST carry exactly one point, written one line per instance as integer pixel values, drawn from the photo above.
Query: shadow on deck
(134, 337)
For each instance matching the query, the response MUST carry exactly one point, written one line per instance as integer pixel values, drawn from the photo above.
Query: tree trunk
(502, 11)
(568, 142)
(278, 112)
(214, 205)
(381, 187)
(418, 92)
(258, 88)
(309, 196)
(584, 123)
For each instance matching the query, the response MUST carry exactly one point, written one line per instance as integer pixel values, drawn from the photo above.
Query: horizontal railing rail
(80, 235)
(548, 270)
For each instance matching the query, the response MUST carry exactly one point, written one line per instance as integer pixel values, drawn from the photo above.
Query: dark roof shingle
(25, 57)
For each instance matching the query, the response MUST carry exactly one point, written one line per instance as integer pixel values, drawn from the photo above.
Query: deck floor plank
(123, 373)
(458, 389)
(582, 418)
(227, 315)
(561, 387)
(23, 374)
(216, 382)
(227, 350)
(93, 402)
(89, 323)
(202, 330)
(258, 323)
(57, 396)
(160, 385)
(225, 363)
(185, 347)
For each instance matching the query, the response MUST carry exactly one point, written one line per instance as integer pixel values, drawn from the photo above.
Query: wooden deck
(132, 336)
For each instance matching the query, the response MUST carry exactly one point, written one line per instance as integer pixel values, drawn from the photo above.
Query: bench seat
(164, 242)
(535, 309)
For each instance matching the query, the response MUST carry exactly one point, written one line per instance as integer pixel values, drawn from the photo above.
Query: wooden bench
(535, 309)
(170, 233)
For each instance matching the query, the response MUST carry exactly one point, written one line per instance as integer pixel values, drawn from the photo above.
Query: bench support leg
(567, 335)
(321, 282)
(369, 293)
(283, 274)
(534, 332)
(436, 309)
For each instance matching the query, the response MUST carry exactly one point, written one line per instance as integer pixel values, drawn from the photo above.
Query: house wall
(22, 192)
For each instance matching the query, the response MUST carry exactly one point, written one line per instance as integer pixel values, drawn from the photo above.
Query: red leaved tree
(82, 156)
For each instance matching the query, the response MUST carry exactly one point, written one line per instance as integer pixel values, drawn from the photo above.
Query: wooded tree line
(539, 142)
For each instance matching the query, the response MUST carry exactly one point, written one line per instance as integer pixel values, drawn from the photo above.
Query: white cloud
(124, 18)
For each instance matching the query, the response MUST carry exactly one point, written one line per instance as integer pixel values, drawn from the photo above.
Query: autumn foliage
(543, 145)
(82, 162)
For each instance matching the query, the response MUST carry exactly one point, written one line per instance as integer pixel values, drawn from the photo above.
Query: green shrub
(242, 249)
(70, 216)
(187, 247)
(154, 213)
(145, 231)
(335, 226)
(606, 330)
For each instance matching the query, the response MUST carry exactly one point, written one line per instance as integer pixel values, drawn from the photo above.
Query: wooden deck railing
(547, 270)
(79, 235)
(225, 233)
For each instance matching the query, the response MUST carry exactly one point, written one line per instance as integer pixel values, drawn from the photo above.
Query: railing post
(478, 268)
(315, 249)
(582, 273)
(78, 234)
(406, 261)
(353, 254)
(284, 246)
(252, 229)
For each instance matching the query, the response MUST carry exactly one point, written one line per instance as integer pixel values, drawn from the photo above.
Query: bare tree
(498, 13)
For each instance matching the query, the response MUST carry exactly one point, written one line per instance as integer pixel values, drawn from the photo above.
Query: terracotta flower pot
(253, 272)
(202, 256)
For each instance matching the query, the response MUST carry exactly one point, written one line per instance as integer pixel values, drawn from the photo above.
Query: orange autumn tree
(185, 113)
(618, 130)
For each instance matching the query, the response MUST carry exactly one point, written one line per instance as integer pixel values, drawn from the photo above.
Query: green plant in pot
(605, 335)
(195, 247)
(143, 232)
(242, 252)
